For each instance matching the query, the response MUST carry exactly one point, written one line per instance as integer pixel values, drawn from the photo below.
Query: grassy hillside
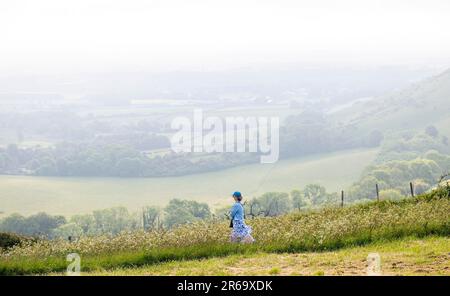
(409, 256)
(323, 230)
(68, 196)
(414, 107)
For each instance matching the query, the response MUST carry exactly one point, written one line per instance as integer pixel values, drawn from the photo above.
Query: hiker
(241, 232)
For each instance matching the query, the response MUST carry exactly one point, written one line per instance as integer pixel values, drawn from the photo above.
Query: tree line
(177, 212)
(115, 160)
(127, 154)
(420, 158)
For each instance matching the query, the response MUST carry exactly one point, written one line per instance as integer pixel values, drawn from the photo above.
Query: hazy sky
(46, 35)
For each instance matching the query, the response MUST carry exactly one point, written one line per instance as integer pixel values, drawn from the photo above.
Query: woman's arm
(233, 211)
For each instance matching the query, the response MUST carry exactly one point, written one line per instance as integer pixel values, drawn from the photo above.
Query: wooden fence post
(411, 186)
(144, 220)
(342, 198)
(378, 192)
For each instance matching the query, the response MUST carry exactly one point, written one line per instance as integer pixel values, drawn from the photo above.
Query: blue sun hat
(238, 195)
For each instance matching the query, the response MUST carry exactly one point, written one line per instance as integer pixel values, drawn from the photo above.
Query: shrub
(8, 240)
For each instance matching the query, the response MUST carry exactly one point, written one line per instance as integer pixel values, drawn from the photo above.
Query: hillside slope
(419, 105)
(323, 230)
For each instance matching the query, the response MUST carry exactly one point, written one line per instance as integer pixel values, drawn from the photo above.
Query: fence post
(144, 220)
(342, 198)
(411, 186)
(378, 192)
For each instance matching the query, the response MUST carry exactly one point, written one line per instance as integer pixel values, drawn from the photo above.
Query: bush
(8, 240)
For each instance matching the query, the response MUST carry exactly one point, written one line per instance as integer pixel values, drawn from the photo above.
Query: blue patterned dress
(240, 229)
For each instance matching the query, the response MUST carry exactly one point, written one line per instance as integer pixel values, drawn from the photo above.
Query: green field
(67, 196)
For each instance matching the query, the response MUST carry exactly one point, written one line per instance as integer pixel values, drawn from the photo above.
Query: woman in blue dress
(241, 232)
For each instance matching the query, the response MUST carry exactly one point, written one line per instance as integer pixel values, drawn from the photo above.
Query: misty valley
(393, 139)
(200, 147)
(77, 169)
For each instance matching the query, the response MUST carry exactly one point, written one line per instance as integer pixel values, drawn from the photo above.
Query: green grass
(68, 196)
(408, 256)
(320, 231)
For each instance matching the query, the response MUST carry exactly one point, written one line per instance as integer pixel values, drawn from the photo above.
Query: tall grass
(325, 229)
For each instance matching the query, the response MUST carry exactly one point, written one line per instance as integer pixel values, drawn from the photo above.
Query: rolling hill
(328, 229)
(415, 107)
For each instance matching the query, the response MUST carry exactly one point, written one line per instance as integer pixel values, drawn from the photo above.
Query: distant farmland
(27, 195)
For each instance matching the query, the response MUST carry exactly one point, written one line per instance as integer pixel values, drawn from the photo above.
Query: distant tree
(424, 169)
(47, 167)
(382, 174)
(223, 213)
(14, 223)
(253, 208)
(408, 135)
(179, 212)
(365, 188)
(200, 210)
(270, 204)
(129, 167)
(68, 230)
(317, 194)
(43, 224)
(40, 224)
(442, 160)
(299, 201)
(432, 131)
(114, 220)
(151, 217)
(86, 222)
(33, 164)
(305, 134)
